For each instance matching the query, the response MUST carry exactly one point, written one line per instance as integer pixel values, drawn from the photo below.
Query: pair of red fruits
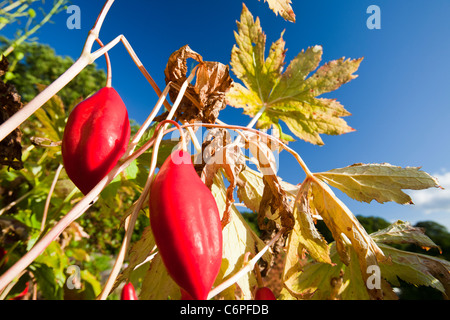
(184, 216)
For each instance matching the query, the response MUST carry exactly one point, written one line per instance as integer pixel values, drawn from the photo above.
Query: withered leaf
(221, 154)
(10, 103)
(206, 98)
(346, 229)
(276, 204)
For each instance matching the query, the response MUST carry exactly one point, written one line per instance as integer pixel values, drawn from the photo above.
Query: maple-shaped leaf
(283, 8)
(290, 96)
(380, 182)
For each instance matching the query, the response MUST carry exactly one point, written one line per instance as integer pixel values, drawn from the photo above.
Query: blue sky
(399, 102)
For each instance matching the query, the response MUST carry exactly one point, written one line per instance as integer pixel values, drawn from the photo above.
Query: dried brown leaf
(206, 98)
(220, 153)
(10, 103)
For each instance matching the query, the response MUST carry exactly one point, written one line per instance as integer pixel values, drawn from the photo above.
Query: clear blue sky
(399, 102)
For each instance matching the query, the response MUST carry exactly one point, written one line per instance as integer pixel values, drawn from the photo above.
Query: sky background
(399, 103)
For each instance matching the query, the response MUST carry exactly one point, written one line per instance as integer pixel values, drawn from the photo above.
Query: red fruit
(264, 293)
(128, 292)
(23, 293)
(95, 138)
(185, 295)
(186, 225)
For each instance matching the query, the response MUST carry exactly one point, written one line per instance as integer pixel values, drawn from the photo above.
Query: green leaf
(290, 96)
(31, 13)
(380, 182)
(47, 281)
(92, 286)
(248, 57)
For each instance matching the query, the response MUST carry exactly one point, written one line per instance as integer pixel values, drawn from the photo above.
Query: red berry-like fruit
(95, 138)
(264, 293)
(21, 295)
(186, 225)
(128, 292)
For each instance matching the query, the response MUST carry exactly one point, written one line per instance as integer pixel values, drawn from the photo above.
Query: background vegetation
(92, 241)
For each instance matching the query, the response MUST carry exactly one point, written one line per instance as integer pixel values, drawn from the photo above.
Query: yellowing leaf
(404, 232)
(282, 7)
(238, 239)
(291, 96)
(305, 231)
(415, 268)
(323, 281)
(157, 284)
(248, 57)
(345, 228)
(139, 252)
(250, 188)
(313, 280)
(380, 182)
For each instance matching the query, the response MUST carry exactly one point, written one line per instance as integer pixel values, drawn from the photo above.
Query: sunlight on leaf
(290, 96)
(380, 182)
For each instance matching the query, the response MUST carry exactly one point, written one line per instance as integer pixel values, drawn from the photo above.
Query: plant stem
(256, 117)
(49, 196)
(12, 204)
(108, 65)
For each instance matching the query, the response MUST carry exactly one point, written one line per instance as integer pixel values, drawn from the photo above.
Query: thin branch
(12, 204)
(108, 65)
(49, 196)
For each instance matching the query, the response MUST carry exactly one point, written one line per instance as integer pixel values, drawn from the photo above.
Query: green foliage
(29, 188)
(41, 65)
